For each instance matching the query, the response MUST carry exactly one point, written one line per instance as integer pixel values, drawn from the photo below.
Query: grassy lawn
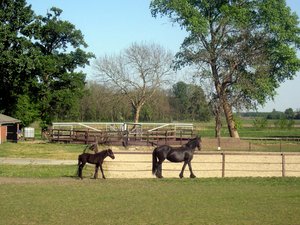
(41, 171)
(41, 150)
(150, 201)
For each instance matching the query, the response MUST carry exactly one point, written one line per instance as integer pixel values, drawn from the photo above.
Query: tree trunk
(218, 125)
(229, 118)
(137, 111)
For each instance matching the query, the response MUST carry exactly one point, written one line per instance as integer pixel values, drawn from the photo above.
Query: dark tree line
(288, 114)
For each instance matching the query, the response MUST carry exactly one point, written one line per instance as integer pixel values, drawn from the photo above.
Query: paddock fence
(125, 134)
(207, 164)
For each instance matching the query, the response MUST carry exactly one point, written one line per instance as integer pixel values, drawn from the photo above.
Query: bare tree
(137, 72)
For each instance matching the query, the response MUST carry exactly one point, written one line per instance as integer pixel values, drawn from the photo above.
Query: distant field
(150, 201)
(246, 129)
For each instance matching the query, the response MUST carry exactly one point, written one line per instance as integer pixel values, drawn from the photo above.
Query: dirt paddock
(207, 164)
(132, 163)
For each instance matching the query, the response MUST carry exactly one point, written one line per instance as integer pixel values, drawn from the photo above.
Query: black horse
(179, 154)
(97, 159)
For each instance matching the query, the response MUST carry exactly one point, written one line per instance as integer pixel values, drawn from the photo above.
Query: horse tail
(79, 162)
(154, 161)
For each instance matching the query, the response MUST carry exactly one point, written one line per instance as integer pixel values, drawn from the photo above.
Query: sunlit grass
(150, 201)
(40, 150)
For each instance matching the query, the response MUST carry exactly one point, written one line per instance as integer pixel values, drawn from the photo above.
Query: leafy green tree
(17, 54)
(190, 102)
(25, 110)
(245, 48)
(181, 99)
(59, 85)
(289, 113)
(39, 58)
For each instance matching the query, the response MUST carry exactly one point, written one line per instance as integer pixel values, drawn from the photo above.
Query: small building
(9, 128)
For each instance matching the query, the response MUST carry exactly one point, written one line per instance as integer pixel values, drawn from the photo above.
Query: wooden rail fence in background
(120, 138)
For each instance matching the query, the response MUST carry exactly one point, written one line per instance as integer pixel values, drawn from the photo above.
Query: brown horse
(96, 159)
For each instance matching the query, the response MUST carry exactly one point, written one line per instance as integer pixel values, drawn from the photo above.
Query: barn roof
(7, 119)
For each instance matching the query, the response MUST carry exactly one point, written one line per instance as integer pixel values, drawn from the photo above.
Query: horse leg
(192, 175)
(182, 170)
(102, 172)
(80, 167)
(96, 171)
(159, 170)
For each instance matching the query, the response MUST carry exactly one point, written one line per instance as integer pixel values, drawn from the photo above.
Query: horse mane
(193, 142)
(105, 151)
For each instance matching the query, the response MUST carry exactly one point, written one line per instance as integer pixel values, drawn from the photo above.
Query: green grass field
(41, 150)
(150, 201)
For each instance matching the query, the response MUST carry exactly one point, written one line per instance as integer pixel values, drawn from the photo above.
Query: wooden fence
(117, 138)
(208, 164)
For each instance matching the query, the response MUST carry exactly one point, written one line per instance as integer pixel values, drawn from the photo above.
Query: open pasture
(150, 201)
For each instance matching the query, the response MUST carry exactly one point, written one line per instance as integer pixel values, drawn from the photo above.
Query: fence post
(58, 135)
(280, 146)
(71, 136)
(166, 137)
(223, 164)
(147, 138)
(181, 137)
(283, 164)
(86, 137)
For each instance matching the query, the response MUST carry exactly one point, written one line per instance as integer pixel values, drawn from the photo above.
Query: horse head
(195, 143)
(110, 153)
(198, 142)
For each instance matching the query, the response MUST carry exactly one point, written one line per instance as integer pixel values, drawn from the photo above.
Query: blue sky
(111, 26)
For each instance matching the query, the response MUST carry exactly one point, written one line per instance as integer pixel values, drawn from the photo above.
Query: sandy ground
(206, 165)
(132, 164)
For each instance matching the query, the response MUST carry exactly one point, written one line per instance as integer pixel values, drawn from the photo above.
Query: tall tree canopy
(59, 85)
(246, 48)
(39, 56)
(16, 53)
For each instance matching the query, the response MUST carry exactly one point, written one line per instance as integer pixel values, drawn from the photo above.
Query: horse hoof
(181, 176)
(192, 176)
(158, 175)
